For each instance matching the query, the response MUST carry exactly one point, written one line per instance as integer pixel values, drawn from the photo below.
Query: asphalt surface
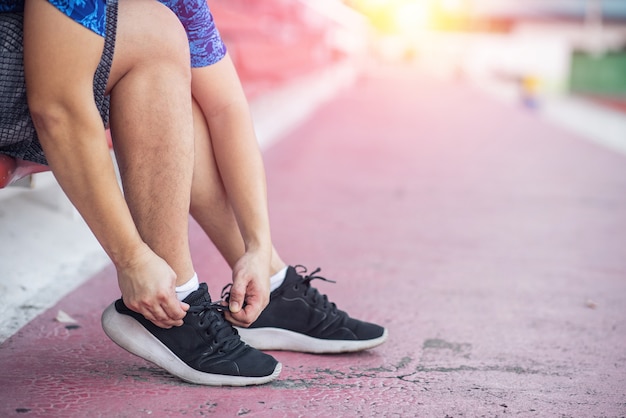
(490, 243)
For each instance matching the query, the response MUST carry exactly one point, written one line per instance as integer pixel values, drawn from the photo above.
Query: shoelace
(306, 280)
(225, 337)
(226, 294)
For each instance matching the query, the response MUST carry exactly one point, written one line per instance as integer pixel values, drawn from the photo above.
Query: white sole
(129, 334)
(281, 339)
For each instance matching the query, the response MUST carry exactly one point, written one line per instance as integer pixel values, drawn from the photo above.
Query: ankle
(188, 287)
(278, 278)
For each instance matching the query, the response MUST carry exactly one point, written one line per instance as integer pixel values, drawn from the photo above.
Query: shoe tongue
(199, 296)
(292, 276)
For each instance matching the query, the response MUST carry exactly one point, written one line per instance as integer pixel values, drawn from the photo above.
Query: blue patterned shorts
(205, 43)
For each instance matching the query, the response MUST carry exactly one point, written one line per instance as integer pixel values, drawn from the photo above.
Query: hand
(250, 292)
(149, 287)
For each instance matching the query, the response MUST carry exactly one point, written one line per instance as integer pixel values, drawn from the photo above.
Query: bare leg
(210, 206)
(151, 126)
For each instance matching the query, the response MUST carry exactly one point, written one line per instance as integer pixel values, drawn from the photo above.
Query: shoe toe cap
(256, 363)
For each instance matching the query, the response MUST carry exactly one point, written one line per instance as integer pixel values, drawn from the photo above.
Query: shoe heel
(134, 338)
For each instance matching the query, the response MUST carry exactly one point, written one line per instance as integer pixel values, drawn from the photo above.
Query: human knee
(149, 35)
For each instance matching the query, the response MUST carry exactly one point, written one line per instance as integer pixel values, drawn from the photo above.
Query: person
(163, 316)
(72, 75)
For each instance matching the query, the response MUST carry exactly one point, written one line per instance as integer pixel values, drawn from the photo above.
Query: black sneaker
(299, 318)
(206, 349)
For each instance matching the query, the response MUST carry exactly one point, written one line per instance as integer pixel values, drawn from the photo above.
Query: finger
(246, 316)
(158, 313)
(168, 313)
(237, 297)
(152, 318)
(234, 321)
(173, 309)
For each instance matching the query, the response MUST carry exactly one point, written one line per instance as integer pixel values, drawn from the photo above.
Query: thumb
(237, 297)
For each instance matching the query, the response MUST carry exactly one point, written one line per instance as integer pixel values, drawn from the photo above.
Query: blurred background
(528, 49)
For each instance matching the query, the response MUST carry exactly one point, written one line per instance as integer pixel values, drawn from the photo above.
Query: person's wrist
(128, 256)
(260, 250)
(258, 243)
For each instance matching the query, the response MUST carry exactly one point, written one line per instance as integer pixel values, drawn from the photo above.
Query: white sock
(278, 279)
(188, 288)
